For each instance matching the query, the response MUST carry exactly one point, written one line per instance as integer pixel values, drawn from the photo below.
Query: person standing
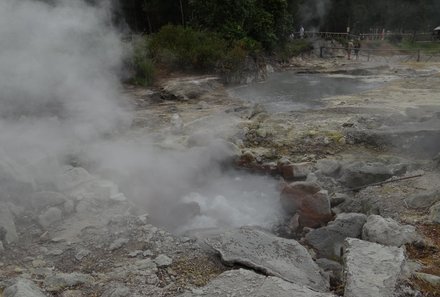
(301, 32)
(350, 46)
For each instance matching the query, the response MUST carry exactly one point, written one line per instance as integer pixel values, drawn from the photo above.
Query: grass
(425, 47)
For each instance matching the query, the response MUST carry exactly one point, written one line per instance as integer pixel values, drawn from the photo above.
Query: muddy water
(289, 91)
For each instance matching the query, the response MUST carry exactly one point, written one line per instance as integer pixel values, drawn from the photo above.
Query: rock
(49, 217)
(434, 280)
(423, 200)
(372, 269)
(272, 255)
(72, 293)
(118, 243)
(245, 283)
(309, 201)
(329, 240)
(73, 177)
(146, 264)
(328, 167)
(59, 281)
(118, 291)
(163, 261)
(23, 288)
(337, 199)
(69, 206)
(188, 87)
(387, 231)
(333, 268)
(360, 174)
(434, 213)
(42, 200)
(8, 233)
(81, 254)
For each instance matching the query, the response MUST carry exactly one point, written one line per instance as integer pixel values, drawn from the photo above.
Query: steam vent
(211, 148)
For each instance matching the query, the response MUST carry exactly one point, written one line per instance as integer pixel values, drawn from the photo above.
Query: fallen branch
(382, 183)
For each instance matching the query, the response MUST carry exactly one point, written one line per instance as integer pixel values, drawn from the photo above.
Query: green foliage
(188, 48)
(293, 48)
(265, 21)
(142, 62)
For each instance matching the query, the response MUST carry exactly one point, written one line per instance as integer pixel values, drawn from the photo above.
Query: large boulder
(424, 199)
(360, 174)
(371, 269)
(328, 167)
(8, 231)
(23, 288)
(387, 231)
(307, 200)
(329, 240)
(245, 283)
(272, 255)
(50, 216)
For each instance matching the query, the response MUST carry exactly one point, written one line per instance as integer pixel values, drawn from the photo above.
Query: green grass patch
(425, 47)
(293, 48)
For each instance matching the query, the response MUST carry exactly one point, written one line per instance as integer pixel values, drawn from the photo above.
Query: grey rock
(328, 167)
(41, 200)
(429, 278)
(118, 243)
(333, 268)
(146, 264)
(163, 261)
(245, 283)
(329, 240)
(360, 174)
(8, 231)
(371, 269)
(23, 288)
(272, 255)
(50, 216)
(59, 281)
(387, 231)
(69, 206)
(423, 200)
(72, 293)
(82, 253)
(117, 291)
(434, 213)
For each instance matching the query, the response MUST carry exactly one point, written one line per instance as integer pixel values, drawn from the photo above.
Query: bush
(395, 38)
(142, 63)
(293, 48)
(188, 48)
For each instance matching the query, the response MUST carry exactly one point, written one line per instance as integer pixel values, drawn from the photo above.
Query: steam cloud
(60, 97)
(313, 12)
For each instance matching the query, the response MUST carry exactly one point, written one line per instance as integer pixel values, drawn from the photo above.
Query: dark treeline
(266, 20)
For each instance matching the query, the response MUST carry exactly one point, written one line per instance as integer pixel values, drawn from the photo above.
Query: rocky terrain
(358, 186)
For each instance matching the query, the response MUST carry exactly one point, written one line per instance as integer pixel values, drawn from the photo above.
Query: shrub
(395, 38)
(293, 48)
(142, 63)
(188, 48)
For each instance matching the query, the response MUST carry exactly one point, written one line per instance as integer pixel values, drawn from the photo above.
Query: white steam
(60, 97)
(313, 13)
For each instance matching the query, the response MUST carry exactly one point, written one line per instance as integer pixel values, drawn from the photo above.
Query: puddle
(290, 91)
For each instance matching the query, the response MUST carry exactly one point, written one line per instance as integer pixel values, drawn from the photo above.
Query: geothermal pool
(290, 91)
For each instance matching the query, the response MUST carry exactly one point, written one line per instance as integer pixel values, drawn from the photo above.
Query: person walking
(350, 46)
